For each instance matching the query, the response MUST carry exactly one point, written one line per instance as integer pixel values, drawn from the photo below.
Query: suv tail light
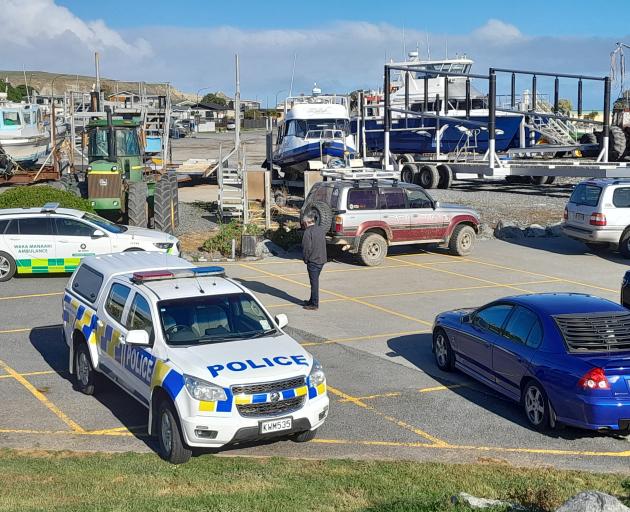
(565, 216)
(338, 223)
(594, 379)
(597, 219)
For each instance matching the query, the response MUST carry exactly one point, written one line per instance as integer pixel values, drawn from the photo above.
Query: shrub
(221, 241)
(287, 236)
(34, 197)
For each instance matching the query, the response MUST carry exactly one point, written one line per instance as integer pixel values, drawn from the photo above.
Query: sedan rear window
(595, 332)
(586, 195)
(621, 197)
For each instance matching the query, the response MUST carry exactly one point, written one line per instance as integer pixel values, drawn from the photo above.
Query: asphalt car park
(372, 335)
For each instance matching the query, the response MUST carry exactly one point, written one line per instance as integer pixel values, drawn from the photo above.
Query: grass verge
(62, 481)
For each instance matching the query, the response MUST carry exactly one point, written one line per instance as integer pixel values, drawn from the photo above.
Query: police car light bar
(161, 275)
(50, 207)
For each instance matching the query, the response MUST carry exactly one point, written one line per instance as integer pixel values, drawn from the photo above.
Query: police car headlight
(163, 245)
(202, 390)
(317, 375)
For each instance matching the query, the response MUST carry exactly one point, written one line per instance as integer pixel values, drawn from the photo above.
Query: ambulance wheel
(83, 370)
(172, 447)
(7, 267)
(304, 437)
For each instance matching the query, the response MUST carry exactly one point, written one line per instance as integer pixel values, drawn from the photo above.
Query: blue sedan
(564, 356)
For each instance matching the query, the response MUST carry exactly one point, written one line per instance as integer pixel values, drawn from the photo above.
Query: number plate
(579, 216)
(266, 427)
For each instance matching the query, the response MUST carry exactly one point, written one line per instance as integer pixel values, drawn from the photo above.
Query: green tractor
(119, 184)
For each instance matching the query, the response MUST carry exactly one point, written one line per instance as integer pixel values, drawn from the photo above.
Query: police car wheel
(172, 447)
(303, 437)
(83, 370)
(7, 267)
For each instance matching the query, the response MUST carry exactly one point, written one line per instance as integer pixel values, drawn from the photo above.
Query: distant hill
(42, 82)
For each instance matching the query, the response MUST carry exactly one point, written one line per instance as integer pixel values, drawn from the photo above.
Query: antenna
(28, 96)
(292, 75)
(404, 44)
(428, 46)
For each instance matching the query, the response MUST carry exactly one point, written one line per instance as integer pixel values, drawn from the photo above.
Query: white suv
(52, 239)
(598, 214)
(195, 348)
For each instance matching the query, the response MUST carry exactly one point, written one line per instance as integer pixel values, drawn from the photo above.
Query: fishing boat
(23, 134)
(315, 127)
(414, 134)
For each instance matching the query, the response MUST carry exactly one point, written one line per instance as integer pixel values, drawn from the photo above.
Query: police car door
(138, 362)
(31, 242)
(76, 239)
(110, 341)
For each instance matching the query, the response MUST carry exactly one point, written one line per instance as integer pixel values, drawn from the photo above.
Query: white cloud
(34, 24)
(498, 32)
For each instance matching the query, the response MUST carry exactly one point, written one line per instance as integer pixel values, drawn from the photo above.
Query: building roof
(208, 106)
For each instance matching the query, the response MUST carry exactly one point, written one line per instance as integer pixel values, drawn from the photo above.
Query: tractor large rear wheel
(137, 204)
(616, 144)
(163, 211)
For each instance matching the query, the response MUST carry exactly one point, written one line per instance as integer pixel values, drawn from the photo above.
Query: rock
(554, 229)
(485, 231)
(507, 229)
(269, 248)
(535, 231)
(481, 503)
(593, 501)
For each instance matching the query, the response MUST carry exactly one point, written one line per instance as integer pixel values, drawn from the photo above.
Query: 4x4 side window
(418, 198)
(492, 318)
(87, 283)
(392, 199)
(116, 301)
(621, 198)
(139, 317)
(362, 199)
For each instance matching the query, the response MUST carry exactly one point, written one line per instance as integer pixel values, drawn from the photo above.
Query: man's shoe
(311, 307)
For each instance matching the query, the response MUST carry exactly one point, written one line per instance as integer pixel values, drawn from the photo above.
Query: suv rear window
(621, 198)
(362, 199)
(586, 195)
(87, 283)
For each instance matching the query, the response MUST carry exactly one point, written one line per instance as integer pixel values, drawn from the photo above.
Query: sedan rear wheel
(7, 267)
(536, 406)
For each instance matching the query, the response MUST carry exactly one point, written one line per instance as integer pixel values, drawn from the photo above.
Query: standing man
(314, 255)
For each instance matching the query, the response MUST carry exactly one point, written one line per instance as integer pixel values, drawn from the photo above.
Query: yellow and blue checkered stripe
(46, 265)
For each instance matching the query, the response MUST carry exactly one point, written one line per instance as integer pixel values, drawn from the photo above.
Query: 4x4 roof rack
(360, 174)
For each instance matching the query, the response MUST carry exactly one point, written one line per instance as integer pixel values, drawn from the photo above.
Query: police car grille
(269, 387)
(271, 408)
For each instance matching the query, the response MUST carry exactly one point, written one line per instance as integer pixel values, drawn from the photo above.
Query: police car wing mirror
(138, 337)
(282, 320)
(436, 205)
(99, 233)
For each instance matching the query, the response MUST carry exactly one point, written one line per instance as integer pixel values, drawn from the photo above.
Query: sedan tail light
(597, 219)
(594, 379)
(566, 214)
(338, 224)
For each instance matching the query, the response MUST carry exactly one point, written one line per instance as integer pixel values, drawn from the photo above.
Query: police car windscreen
(213, 319)
(104, 223)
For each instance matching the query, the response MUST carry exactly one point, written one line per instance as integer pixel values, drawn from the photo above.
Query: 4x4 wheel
(83, 370)
(372, 249)
(172, 446)
(462, 240)
(7, 267)
(323, 214)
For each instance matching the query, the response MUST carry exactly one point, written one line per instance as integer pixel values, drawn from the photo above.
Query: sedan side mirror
(99, 233)
(282, 320)
(466, 319)
(436, 205)
(137, 337)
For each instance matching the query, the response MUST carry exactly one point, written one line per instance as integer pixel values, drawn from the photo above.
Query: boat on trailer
(24, 137)
(413, 134)
(315, 127)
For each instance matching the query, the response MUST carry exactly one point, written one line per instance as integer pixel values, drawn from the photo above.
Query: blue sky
(535, 17)
(340, 45)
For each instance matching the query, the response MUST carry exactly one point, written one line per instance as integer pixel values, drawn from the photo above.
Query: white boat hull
(27, 149)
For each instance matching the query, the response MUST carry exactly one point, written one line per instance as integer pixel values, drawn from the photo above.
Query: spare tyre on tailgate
(322, 212)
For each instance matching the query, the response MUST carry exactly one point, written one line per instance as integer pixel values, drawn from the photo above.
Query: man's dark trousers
(314, 270)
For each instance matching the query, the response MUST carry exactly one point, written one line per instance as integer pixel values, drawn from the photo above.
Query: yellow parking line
(14, 297)
(442, 388)
(352, 299)
(21, 329)
(504, 285)
(40, 396)
(361, 338)
(373, 397)
(28, 374)
(331, 271)
(391, 419)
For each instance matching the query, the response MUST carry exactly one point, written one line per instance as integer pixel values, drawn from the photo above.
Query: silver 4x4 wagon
(366, 216)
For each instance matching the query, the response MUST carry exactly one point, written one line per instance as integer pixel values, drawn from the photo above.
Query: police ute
(193, 346)
(52, 239)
